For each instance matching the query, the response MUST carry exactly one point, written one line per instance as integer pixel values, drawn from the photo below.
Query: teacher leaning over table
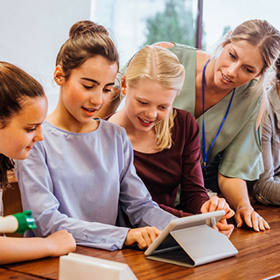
(224, 93)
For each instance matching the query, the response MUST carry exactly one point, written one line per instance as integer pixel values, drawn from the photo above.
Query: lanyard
(205, 155)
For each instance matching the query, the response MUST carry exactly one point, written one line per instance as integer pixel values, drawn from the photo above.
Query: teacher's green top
(239, 139)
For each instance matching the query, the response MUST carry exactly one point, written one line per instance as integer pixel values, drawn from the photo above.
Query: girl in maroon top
(165, 140)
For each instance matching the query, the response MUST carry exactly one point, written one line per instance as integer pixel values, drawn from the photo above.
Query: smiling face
(238, 63)
(23, 129)
(148, 103)
(82, 93)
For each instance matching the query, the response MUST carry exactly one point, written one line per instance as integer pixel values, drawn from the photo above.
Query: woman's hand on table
(247, 214)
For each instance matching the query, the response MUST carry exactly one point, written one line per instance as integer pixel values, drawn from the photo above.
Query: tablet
(191, 241)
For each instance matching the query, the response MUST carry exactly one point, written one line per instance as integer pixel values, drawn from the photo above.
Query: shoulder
(184, 121)
(112, 130)
(250, 90)
(249, 99)
(183, 51)
(201, 58)
(173, 45)
(109, 126)
(166, 45)
(184, 116)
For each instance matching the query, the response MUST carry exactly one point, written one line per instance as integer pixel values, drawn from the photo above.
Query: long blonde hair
(160, 65)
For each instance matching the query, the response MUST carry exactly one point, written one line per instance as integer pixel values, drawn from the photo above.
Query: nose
(97, 98)
(151, 114)
(233, 69)
(38, 136)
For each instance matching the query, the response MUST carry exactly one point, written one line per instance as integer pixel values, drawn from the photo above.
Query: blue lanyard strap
(205, 155)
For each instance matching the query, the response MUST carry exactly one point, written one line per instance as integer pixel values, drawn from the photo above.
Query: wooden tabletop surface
(12, 275)
(258, 258)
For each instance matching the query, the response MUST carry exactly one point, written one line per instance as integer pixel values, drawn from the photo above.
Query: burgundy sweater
(164, 171)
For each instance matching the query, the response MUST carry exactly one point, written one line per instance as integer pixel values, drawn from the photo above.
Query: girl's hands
(142, 236)
(60, 243)
(223, 227)
(216, 203)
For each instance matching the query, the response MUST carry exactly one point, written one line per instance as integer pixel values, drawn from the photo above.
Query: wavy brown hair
(15, 86)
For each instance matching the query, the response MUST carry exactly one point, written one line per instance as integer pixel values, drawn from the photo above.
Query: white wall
(32, 31)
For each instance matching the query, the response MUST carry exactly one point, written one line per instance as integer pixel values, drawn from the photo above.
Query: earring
(59, 79)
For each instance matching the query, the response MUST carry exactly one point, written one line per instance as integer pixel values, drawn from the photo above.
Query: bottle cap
(25, 221)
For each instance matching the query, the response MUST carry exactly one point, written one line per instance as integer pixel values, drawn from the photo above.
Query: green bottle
(19, 222)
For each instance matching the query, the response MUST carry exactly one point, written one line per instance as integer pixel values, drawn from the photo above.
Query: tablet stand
(193, 246)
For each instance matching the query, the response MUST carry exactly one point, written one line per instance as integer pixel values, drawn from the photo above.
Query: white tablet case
(191, 241)
(77, 266)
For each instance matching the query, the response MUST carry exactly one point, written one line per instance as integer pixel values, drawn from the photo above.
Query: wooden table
(12, 275)
(258, 258)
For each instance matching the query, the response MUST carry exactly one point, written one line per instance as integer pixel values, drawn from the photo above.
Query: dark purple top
(164, 171)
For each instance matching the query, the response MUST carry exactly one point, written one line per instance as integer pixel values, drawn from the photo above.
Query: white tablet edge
(214, 217)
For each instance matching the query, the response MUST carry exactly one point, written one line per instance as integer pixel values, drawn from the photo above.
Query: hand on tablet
(223, 227)
(142, 236)
(216, 203)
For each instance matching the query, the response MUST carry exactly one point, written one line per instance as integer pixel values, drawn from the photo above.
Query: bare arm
(24, 249)
(235, 192)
